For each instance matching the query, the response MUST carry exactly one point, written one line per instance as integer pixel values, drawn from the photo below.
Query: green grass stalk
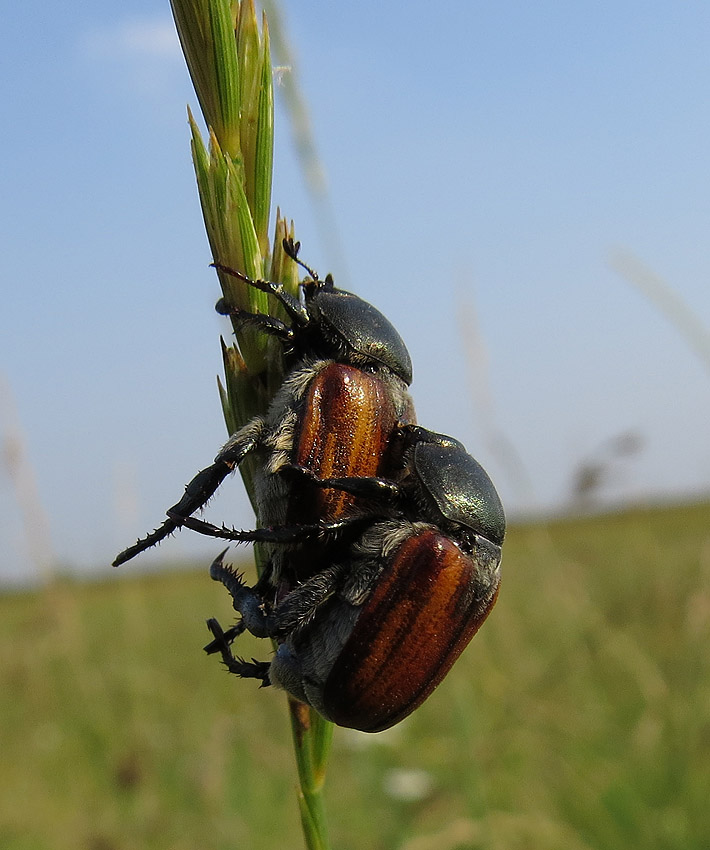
(230, 66)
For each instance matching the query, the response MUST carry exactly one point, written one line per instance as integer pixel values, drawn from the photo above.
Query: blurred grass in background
(579, 717)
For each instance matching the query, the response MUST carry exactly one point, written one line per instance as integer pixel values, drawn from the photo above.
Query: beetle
(345, 394)
(396, 597)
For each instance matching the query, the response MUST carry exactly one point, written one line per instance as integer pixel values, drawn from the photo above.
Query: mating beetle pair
(385, 538)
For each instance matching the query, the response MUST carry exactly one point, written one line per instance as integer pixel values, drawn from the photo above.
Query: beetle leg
(371, 488)
(210, 530)
(280, 534)
(291, 249)
(146, 542)
(299, 607)
(246, 669)
(245, 601)
(290, 304)
(265, 323)
(202, 487)
(294, 610)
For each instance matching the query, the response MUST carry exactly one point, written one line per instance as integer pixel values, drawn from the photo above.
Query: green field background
(579, 717)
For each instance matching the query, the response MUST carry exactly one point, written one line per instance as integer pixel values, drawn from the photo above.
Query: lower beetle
(393, 599)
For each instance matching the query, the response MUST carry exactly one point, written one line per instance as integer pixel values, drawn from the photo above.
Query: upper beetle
(344, 396)
(394, 598)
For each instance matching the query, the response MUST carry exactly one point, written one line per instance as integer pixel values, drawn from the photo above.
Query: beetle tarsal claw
(220, 571)
(248, 669)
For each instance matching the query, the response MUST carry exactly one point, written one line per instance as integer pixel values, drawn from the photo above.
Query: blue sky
(484, 161)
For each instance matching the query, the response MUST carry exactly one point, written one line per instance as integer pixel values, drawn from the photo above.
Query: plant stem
(230, 66)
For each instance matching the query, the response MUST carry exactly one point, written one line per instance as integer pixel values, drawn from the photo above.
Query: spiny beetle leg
(202, 487)
(292, 306)
(246, 669)
(197, 492)
(146, 542)
(244, 600)
(367, 488)
(292, 248)
(297, 607)
(267, 324)
(282, 534)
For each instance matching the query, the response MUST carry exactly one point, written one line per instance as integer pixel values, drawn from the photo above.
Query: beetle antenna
(292, 248)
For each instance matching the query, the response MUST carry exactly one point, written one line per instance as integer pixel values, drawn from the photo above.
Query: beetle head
(458, 491)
